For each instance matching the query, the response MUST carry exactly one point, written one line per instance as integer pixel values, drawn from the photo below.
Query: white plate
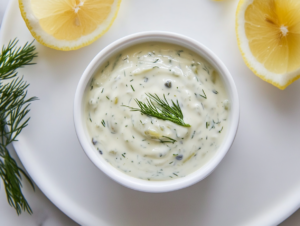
(257, 183)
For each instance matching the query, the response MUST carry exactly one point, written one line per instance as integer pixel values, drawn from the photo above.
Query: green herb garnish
(103, 122)
(14, 108)
(160, 108)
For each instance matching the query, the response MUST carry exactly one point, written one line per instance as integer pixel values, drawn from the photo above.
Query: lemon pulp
(268, 33)
(70, 19)
(273, 30)
(68, 24)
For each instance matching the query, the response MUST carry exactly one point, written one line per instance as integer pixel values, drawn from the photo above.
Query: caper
(168, 84)
(179, 157)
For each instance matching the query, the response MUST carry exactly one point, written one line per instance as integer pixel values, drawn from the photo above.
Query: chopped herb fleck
(132, 88)
(215, 91)
(193, 134)
(179, 51)
(205, 68)
(204, 96)
(107, 97)
(207, 125)
(221, 130)
(116, 61)
(170, 140)
(92, 83)
(103, 122)
(156, 61)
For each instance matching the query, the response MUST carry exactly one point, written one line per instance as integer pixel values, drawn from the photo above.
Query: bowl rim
(132, 182)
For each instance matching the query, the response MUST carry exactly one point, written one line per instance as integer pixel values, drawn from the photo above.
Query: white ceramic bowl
(115, 174)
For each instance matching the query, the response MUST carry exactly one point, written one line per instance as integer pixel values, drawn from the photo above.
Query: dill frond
(161, 109)
(14, 108)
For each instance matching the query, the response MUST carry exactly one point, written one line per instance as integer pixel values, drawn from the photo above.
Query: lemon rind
(294, 75)
(66, 47)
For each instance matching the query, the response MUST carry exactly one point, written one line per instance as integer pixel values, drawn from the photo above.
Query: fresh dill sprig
(160, 108)
(13, 57)
(14, 108)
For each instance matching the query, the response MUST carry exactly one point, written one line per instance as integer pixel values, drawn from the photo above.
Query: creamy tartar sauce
(143, 146)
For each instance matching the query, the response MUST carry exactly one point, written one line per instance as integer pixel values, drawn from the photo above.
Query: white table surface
(44, 212)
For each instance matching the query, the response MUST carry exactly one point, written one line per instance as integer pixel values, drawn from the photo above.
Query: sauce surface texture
(147, 147)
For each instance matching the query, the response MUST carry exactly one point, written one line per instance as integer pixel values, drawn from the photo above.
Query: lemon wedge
(68, 24)
(268, 34)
